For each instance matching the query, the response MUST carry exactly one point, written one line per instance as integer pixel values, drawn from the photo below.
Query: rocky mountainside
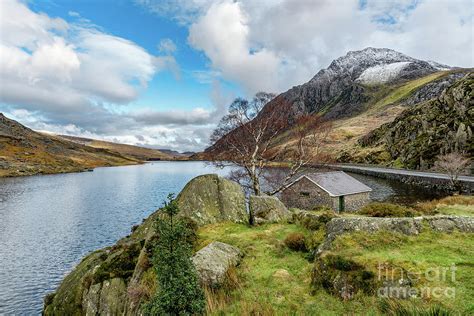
(358, 93)
(339, 89)
(427, 129)
(26, 152)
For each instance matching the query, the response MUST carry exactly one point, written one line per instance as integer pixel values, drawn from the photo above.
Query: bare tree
(253, 138)
(454, 164)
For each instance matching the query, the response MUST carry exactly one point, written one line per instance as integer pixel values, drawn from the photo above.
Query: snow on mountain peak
(382, 73)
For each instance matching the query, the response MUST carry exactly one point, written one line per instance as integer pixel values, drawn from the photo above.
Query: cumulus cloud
(72, 78)
(272, 45)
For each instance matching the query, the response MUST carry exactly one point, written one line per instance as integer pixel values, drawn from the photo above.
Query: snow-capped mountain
(353, 83)
(346, 76)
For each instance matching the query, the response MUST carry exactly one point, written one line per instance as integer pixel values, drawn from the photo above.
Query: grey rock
(404, 225)
(268, 209)
(451, 223)
(433, 89)
(90, 301)
(210, 199)
(113, 297)
(213, 261)
(339, 81)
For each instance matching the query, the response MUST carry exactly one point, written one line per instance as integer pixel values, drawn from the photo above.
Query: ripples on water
(48, 223)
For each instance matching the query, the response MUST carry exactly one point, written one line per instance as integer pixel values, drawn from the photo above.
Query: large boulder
(268, 209)
(210, 199)
(213, 261)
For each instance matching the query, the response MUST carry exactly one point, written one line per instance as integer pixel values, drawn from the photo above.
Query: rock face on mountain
(373, 84)
(339, 88)
(422, 132)
(209, 199)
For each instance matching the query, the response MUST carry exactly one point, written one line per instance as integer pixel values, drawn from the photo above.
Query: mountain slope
(140, 153)
(423, 131)
(358, 93)
(26, 152)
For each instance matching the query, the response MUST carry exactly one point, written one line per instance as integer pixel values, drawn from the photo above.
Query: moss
(119, 264)
(68, 298)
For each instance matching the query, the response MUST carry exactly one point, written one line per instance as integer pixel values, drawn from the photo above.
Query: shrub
(179, 290)
(313, 241)
(377, 209)
(296, 241)
(314, 221)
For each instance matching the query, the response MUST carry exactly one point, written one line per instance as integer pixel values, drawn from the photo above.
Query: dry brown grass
(218, 298)
(431, 207)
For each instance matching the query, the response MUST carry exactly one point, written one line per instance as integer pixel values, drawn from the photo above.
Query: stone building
(336, 190)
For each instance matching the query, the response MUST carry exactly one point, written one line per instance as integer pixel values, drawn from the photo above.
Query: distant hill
(177, 153)
(26, 152)
(358, 93)
(140, 153)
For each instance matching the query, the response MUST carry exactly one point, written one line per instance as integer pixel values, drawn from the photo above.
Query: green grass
(406, 89)
(418, 254)
(459, 210)
(261, 293)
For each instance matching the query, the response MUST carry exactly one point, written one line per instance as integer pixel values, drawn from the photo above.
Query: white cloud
(272, 45)
(69, 78)
(74, 14)
(222, 33)
(167, 46)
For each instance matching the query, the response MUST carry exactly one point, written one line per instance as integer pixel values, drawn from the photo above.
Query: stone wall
(354, 202)
(404, 225)
(304, 194)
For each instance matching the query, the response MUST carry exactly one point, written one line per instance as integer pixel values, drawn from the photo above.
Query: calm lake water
(48, 223)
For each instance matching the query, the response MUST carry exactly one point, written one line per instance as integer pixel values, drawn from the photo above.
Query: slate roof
(336, 183)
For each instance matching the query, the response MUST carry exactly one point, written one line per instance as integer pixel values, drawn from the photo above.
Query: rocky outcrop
(268, 209)
(101, 282)
(433, 89)
(210, 199)
(117, 280)
(408, 226)
(422, 132)
(213, 261)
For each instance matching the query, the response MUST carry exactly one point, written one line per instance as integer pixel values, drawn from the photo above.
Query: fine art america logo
(400, 283)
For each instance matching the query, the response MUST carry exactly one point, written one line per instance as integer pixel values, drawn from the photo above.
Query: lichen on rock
(210, 199)
(268, 209)
(213, 261)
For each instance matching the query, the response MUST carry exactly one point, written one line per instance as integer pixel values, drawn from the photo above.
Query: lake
(49, 222)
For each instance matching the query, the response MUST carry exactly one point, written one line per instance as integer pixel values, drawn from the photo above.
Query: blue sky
(128, 20)
(161, 73)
